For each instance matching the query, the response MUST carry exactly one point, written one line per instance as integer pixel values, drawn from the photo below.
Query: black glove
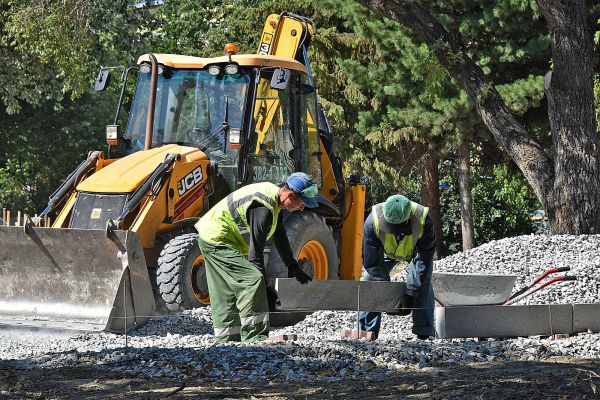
(404, 306)
(272, 299)
(294, 271)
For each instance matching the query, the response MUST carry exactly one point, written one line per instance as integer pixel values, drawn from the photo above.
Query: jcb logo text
(189, 181)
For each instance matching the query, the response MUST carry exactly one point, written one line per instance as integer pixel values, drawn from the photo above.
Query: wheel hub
(198, 280)
(315, 253)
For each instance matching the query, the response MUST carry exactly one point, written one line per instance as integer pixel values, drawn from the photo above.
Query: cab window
(307, 105)
(272, 156)
(285, 136)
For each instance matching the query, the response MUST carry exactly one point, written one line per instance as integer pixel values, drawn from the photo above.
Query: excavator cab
(255, 124)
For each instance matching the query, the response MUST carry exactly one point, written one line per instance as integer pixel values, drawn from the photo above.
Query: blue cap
(300, 183)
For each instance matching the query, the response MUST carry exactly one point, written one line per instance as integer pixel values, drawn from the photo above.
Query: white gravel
(182, 346)
(531, 255)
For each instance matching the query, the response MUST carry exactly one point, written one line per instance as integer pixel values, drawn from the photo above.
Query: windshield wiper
(222, 128)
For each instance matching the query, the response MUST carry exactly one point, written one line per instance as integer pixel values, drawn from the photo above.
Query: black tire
(301, 228)
(179, 282)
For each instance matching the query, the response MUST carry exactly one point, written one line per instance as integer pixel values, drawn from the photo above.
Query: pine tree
(570, 198)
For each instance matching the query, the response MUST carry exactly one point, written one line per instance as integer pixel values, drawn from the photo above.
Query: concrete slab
(561, 336)
(503, 321)
(338, 295)
(586, 317)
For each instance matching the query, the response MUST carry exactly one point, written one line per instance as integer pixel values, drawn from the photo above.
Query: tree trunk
(572, 198)
(430, 197)
(466, 200)
(569, 89)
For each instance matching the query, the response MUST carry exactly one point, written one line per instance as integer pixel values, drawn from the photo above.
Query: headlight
(145, 69)
(231, 69)
(214, 70)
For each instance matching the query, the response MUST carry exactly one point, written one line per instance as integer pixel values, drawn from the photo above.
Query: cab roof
(250, 60)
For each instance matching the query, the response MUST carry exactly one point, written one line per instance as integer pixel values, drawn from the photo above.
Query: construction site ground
(558, 378)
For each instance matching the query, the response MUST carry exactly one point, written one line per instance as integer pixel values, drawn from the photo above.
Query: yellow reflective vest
(226, 222)
(406, 248)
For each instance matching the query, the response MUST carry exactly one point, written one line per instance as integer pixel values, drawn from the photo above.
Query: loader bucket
(73, 278)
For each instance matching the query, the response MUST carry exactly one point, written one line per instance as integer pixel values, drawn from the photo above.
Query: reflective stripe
(234, 205)
(232, 330)
(231, 205)
(255, 319)
(416, 222)
(388, 240)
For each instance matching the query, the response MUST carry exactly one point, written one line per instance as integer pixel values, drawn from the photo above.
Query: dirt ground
(559, 378)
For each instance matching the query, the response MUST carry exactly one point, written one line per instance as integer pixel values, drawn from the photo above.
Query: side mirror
(280, 79)
(102, 80)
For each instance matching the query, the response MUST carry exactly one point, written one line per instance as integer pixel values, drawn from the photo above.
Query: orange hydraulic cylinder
(352, 233)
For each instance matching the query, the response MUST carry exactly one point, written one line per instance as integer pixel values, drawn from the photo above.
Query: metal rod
(125, 307)
(151, 101)
(358, 313)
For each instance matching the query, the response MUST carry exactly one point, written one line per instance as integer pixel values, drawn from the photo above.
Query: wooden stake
(7, 217)
(18, 218)
(3, 216)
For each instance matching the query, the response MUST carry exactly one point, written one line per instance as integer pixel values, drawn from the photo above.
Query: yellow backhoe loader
(123, 242)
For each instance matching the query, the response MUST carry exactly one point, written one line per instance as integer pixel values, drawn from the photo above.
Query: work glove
(294, 271)
(404, 306)
(272, 299)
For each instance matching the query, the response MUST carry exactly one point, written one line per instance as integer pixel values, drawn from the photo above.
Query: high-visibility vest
(406, 248)
(226, 222)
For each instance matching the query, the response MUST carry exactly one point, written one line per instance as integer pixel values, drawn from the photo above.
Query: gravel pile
(182, 347)
(529, 256)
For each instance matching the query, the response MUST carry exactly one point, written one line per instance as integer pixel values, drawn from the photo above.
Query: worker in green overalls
(232, 237)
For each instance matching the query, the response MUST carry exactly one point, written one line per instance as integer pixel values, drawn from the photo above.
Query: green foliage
(37, 153)
(503, 37)
(52, 47)
(408, 105)
(202, 28)
(522, 95)
(503, 204)
(51, 52)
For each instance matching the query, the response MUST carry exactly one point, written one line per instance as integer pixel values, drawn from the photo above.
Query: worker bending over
(239, 226)
(396, 230)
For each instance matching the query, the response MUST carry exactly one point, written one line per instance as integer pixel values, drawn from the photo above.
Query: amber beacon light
(230, 48)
